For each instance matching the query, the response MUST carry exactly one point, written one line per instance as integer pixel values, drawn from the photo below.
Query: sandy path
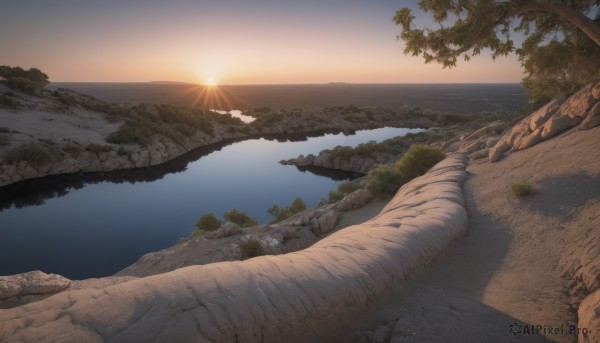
(509, 267)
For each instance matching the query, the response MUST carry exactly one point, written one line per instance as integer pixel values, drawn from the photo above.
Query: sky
(225, 42)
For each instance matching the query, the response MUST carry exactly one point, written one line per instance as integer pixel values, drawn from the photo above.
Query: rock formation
(269, 298)
(582, 108)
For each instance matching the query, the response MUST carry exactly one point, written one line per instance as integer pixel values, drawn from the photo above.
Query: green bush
(418, 160)
(240, 218)
(280, 214)
(208, 222)
(342, 190)
(251, 248)
(385, 180)
(34, 153)
(523, 188)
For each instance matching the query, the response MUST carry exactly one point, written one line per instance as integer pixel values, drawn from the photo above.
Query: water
(237, 114)
(97, 224)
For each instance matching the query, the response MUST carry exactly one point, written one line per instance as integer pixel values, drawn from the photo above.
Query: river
(94, 225)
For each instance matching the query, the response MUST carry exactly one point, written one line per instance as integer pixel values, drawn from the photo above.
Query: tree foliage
(24, 80)
(560, 49)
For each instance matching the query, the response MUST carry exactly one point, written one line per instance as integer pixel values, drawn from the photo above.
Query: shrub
(122, 151)
(73, 149)
(208, 222)
(4, 140)
(240, 218)
(251, 248)
(418, 160)
(342, 190)
(523, 188)
(385, 180)
(280, 214)
(95, 148)
(35, 154)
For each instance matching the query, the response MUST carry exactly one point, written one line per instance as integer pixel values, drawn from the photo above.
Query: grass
(251, 248)
(523, 189)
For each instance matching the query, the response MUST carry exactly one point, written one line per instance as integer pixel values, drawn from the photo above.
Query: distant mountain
(170, 82)
(338, 83)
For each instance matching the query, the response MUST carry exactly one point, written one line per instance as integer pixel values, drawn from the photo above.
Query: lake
(96, 224)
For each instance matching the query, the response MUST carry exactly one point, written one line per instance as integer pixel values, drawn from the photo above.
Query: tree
(25, 80)
(559, 38)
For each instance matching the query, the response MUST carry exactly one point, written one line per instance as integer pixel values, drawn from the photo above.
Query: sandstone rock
(592, 119)
(34, 282)
(550, 120)
(589, 316)
(479, 154)
(10, 286)
(226, 230)
(539, 117)
(324, 223)
(270, 298)
(37, 282)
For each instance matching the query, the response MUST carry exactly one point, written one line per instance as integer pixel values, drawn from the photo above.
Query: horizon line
(334, 83)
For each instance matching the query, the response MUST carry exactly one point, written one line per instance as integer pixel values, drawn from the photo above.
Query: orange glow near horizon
(233, 42)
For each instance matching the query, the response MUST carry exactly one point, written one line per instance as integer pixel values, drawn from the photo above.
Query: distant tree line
(24, 80)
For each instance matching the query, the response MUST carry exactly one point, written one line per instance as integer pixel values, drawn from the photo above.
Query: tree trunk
(577, 18)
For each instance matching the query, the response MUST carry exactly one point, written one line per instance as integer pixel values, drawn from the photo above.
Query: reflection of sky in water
(104, 227)
(237, 114)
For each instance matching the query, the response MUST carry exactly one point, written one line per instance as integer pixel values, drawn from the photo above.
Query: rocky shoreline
(97, 155)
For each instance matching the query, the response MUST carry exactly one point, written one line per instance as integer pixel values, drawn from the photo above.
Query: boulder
(592, 119)
(226, 230)
(581, 109)
(34, 282)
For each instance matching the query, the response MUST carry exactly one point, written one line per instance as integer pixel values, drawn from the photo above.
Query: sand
(510, 266)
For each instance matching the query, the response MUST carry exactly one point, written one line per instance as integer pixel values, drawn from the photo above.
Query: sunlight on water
(237, 114)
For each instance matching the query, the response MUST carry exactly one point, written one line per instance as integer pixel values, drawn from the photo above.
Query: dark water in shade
(96, 224)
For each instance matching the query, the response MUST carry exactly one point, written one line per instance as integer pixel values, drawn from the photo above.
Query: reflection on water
(237, 114)
(95, 224)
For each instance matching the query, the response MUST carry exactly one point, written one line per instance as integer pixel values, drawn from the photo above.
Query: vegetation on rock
(208, 222)
(24, 80)
(240, 218)
(385, 180)
(251, 247)
(35, 154)
(342, 190)
(280, 214)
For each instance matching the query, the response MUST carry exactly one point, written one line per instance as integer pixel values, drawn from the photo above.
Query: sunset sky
(228, 41)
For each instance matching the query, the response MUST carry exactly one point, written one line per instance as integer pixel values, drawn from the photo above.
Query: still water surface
(93, 229)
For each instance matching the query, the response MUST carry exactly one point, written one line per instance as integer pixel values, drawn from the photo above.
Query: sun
(211, 81)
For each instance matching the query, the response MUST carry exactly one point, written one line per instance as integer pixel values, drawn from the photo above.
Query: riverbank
(61, 131)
